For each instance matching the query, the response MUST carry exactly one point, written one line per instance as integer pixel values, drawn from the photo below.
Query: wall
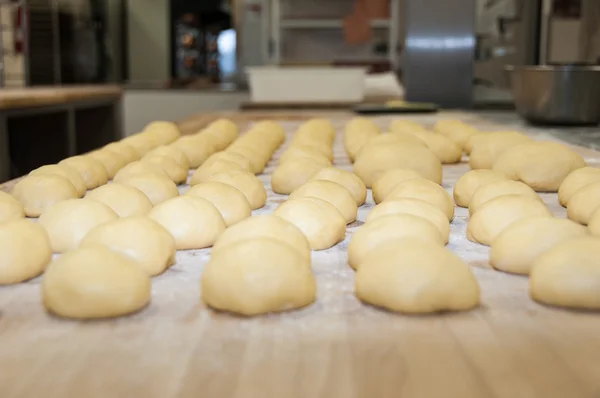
(14, 70)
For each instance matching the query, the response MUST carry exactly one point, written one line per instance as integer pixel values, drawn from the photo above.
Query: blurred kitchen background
(193, 53)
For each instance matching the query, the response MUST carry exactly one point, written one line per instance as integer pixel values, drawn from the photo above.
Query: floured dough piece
(10, 208)
(395, 137)
(297, 152)
(594, 223)
(25, 249)
(157, 187)
(446, 150)
(242, 162)
(69, 221)
(419, 188)
(64, 171)
(415, 207)
(125, 150)
(92, 171)
(347, 179)
(203, 173)
(321, 223)
(406, 126)
(574, 181)
(568, 275)
(258, 276)
(517, 247)
(466, 185)
(252, 188)
(124, 200)
(356, 134)
(162, 132)
(493, 190)
(394, 227)
(112, 161)
(194, 222)
(176, 172)
(498, 214)
(230, 201)
(293, 174)
(416, 277)
(310, 147)
(541, 165)
(139, 238)
(171, 151)
(37, 192)
(486, 151)
(331, 192)
(584, 202)
(139, 167)
(95, 282)
(197, 148)
(267, 226)
(457, 131)
(374, 160)
(390, 180)
(493, 136)
(223, 132)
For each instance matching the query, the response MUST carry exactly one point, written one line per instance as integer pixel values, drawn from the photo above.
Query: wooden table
(509, 347)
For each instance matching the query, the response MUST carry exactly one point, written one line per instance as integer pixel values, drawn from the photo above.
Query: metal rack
(7, 11)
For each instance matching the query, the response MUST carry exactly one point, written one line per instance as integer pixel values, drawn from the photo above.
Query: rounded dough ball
(331, 192)
(203, 173)
(493, 136)
(310, 148)
(415, 207)
(584, 202)
(194, 222)
(446, 150)
(258, 276)
(139, 238)
(428, 191)
(125, 150)
(64, 171)
(230, 201)
(394, 227)
(92, 171)
(466, 185)
(293, 153)
(112, 161)
(163, 132)
(498, 214)
(10, 208)
(197, 148)
(517, 247)
(493, 190)
(25, 249)
(395, 137)
(252, 188)
(267, 226)
(416, 277)
(568, 275)
(242, 162)
(94, 282)
(38, 192)
(574, 181)
(485, 152)
(124, 200)
(390, 180)
(257, 160)
(541, 165)
(69, 221)
(321, 223)
(173, 152)
(139, 167)
(405, 126)
(456, 130)
(291, 175)
(157, 187)
(347, 179)
(177, 173)
(594, 224)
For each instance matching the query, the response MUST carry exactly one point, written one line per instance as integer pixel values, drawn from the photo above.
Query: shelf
(326, 23)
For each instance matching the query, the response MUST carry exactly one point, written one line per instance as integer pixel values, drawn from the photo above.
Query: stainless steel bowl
(562, 94)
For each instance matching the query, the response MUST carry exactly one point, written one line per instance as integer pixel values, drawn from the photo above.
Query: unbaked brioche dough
(38, 192)
(321, 223)
(395, 227)
(416, 277)
(405, 126)
(176, 172)
(469, 182)
(139, 167)
(498, 214)
(494, 136)
(574, 181)
(10, 208)
(196, 147)
(69, 221)
(230, 201)
(296, 152)
(541, 165)
(390, 180)
(242, 162)
(95, 282)
(496, 189)
(394, 137)
(292, 174)
(203, 173)
(124, 200)
(568, 275)
(457, 131)
(415, 207)
(163, 132)
(584, 202)
(92, 171)
(125, 150)
(157, 187)
(66, 171)
(194, 222)
(517, 247)
(428, 191)
(485, 152)
(347, 179)
(25, 251)
(594, 223)
(331, 192)
(258, 276)
(173, 152)
(446, 150)
(140, 238)
(112, 161)
(252, 188)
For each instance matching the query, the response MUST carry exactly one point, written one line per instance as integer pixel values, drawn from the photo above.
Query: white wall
(149, 49)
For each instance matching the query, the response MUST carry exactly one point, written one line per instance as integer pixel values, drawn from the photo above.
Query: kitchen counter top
(30, 97)
(338, 347)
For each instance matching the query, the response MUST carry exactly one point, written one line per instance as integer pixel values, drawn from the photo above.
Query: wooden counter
(338, 347)
(20, 98)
